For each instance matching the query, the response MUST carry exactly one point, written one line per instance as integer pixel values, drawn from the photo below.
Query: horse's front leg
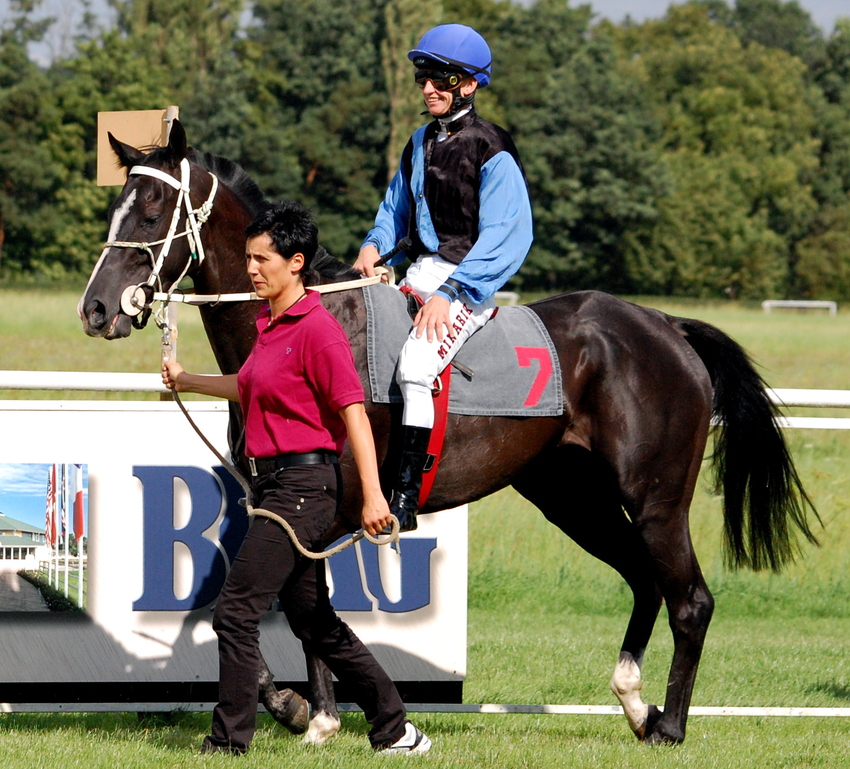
(325, 721)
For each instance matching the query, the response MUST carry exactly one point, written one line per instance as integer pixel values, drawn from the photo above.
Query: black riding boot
(414, 456)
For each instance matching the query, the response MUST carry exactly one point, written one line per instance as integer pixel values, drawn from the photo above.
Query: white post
(56, 526)
(80, 572)
(65, 522)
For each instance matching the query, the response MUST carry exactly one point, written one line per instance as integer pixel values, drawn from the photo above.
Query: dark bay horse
(616, 472)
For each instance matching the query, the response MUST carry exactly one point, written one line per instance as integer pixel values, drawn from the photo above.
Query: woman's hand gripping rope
(391, 538)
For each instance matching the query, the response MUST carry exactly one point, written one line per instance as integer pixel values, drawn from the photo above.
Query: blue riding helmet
(458, 46)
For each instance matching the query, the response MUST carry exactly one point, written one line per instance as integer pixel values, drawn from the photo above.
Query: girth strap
(438, 435)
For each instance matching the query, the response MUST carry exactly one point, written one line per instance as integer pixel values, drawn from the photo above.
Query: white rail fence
(768, 305)
(90, 381)
(122, 382)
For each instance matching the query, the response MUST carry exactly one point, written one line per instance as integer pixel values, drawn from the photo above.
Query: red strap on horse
(441, 417)
(438, 434)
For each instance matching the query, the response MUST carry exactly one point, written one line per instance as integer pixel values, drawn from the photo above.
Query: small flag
(63, 503)
(50, 511)
(79, 517)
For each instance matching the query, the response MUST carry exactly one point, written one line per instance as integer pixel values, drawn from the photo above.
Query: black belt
(266, 465)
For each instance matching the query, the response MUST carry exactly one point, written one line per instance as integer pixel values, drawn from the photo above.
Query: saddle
(507, 368)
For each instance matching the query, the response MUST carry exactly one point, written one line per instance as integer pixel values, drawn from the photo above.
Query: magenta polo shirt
(298, 376)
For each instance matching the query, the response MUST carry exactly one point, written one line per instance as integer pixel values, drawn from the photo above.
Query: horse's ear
(127, 156)
(177, 145)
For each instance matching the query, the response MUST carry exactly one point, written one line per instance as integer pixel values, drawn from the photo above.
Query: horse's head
(153, 235)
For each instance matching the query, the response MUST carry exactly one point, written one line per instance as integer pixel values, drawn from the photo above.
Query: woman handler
(300, 395)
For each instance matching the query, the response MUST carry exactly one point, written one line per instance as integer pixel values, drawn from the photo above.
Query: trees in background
(823, 255)
(737, 138)
(319, 72)
(704, 154)
(587, 139)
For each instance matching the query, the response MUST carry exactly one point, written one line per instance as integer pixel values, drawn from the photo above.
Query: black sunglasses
(443, 81)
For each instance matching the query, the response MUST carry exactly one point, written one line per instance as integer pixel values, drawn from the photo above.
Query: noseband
(137, 299)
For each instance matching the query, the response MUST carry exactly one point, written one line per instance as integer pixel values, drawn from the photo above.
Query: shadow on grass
(835, 690)
(80, 722)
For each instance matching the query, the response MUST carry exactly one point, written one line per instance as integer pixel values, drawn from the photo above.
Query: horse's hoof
(655, 734)
(288, 708)
(323, 726)
(657, 738)
(648, 726)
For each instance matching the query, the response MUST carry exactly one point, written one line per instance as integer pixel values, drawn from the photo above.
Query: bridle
(137, 299)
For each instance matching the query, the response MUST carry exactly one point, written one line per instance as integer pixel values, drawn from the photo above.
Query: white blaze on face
(626, 683)
(114, 228)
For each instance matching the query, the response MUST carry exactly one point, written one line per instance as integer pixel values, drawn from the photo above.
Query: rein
(250, 296)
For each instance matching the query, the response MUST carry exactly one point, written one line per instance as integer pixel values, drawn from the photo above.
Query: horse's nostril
(96, 314)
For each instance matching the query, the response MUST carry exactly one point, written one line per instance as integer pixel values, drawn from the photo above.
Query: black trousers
(267, 567)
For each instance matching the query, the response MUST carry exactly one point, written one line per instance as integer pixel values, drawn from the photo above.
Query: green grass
(463, 742)
(54, 596)
(545, 618)
(40, 331)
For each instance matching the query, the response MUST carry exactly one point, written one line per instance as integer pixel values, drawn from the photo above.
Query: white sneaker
(410, 743)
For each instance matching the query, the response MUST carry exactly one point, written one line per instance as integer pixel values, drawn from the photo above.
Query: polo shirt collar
(299, 309)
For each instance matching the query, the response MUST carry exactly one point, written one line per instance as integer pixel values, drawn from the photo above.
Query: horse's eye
(151, 221)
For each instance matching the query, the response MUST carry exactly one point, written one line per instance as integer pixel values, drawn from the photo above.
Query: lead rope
(392, 537)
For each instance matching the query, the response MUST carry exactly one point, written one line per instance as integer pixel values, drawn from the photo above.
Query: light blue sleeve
(392, 220)
(504, 230)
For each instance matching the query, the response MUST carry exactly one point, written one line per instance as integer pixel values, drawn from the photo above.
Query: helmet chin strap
(459, 107)
(460, 103)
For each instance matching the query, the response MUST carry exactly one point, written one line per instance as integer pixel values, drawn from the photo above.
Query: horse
(616, 471)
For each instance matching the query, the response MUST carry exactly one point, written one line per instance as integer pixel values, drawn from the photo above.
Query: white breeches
(422, 361)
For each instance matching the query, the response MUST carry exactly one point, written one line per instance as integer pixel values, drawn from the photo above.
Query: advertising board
(163, 523)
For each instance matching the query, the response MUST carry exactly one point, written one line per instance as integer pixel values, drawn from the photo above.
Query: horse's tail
(764, 500)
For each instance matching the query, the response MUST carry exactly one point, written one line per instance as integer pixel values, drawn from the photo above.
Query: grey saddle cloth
(512, 360)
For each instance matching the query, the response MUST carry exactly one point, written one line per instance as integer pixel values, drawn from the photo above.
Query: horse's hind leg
(660, 493)
(689, 607)
(579, 494)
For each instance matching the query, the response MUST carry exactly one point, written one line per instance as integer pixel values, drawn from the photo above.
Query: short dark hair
(291, 228)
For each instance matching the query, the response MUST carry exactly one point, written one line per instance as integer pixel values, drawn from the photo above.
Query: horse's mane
(329, 269)
(232, 176)
(325, 268)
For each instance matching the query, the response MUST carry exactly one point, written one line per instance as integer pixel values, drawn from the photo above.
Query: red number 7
(524, 356)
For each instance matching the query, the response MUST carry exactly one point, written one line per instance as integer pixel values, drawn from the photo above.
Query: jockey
(460, 195)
